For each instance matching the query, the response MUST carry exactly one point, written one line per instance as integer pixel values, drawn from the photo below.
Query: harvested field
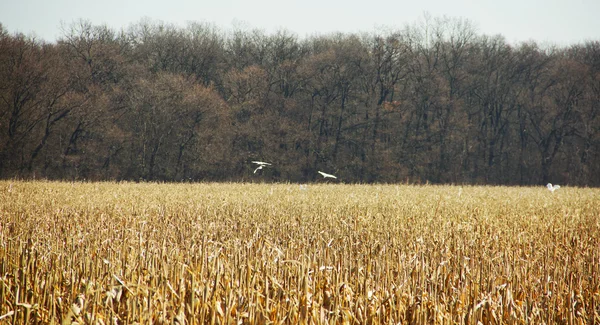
(127, 253)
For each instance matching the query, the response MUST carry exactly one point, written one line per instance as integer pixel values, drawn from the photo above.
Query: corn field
(150, 253)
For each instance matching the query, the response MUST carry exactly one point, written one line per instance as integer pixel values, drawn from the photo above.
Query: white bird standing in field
(260, 164)
(552, 188)
(325, 175)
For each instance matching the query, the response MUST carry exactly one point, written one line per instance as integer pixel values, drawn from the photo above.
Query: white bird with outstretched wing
(260, 164)
(325, 175)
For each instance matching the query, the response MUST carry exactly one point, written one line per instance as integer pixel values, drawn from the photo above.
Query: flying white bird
(325, 175)
(552, 188)
(260, 164)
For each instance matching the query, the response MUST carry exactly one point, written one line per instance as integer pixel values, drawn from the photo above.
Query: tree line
(430, 102)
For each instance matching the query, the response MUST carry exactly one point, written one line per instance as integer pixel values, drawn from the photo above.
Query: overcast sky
(560, 22)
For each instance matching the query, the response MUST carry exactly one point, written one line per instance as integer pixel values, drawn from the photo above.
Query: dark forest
(433, 102)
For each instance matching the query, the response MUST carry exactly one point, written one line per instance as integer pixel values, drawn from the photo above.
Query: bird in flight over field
(325, 175)
(260, 164)
(552, 188)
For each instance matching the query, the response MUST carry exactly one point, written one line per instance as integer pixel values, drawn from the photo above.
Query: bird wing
(262, 163)
(259, 167)
(326, 175)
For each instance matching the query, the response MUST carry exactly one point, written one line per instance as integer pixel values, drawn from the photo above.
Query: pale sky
(560, 22)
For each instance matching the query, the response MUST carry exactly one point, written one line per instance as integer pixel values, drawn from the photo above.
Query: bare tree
(22, 77)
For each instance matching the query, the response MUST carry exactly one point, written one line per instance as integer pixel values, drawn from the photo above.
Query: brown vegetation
(108, 253)
(431, 102)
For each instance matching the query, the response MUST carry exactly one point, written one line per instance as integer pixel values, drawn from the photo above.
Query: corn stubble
(108, 253)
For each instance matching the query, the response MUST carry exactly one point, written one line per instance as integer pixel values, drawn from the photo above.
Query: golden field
(127, 253)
